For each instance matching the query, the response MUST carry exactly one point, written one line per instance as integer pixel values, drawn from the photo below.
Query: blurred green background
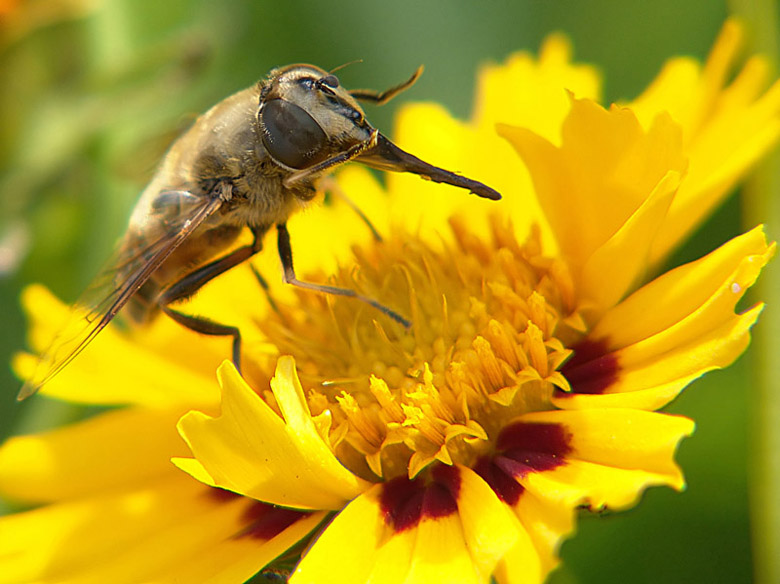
(92, 92)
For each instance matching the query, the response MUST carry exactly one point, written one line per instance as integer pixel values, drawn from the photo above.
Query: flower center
(491, 323)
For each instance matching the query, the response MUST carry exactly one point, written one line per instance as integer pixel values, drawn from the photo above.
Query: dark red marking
(519, 464)
(591, 370)
(441, 499)
(523, 448)
(267, 521)
(534, 438)
(401, 502)
(404, 503)
(505, 486)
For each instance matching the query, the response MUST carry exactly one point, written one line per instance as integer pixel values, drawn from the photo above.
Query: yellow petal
(250, 450)
(674, 329)
(139, 374)
(440, 554)
(671, 91)
(141, 535)
(688, 90)
(720, 159)
(621, 262)
(605, 168)
(348, 549)
(595, 457)
(615, 454)
(657, 377)
(721, 276)
(539, 101)
(488, 526)
(237, 559)
(522, 564)
(547, 523)
(538, 87)
(428, 131)
(726, 128)
(113, 450)
(462, 546)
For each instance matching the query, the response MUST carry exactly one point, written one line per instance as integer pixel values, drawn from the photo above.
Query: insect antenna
(340, 67)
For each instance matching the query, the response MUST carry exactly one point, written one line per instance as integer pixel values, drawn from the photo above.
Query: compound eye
(330, 81)
(291, 135)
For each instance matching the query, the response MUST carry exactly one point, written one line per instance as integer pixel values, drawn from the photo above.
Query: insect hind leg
(192, 282)
(205, 326)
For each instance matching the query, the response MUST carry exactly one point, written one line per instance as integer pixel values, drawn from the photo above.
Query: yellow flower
(353, 450)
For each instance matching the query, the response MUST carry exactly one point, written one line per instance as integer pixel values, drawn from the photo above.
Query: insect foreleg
(331, 185)
(342, 157)
(285, 254)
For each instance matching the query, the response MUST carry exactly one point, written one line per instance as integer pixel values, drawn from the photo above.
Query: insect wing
(178, 214)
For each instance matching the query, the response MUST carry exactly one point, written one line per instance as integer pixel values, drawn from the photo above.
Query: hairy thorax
(226, 162)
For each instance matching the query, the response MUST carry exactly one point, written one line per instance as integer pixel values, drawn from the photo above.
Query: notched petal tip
(253, 451)
(192, 467)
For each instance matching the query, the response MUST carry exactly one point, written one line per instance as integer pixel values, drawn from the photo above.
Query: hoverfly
(249, 162)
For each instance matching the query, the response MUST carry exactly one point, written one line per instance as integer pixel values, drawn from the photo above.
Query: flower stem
(762, 203)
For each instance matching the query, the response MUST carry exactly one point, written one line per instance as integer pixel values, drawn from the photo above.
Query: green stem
(762, 205)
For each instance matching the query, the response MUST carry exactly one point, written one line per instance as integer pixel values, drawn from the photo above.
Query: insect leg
(382, 97)
(331, 185)
(206, 326)
(349, 154)
(285, 254)
(266, 288)
(192, 282)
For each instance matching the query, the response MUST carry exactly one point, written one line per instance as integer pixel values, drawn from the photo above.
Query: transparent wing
(170, 219)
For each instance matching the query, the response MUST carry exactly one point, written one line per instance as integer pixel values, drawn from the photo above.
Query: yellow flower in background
(352, 450)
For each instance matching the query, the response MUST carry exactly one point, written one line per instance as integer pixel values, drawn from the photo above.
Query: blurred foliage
(92, 92)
